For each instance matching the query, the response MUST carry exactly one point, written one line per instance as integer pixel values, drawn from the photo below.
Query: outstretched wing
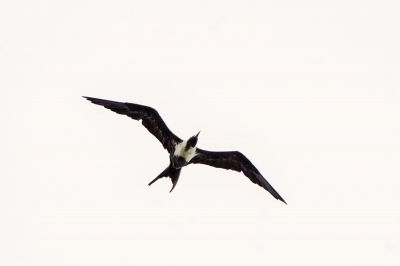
(234, 160)
(149, 116)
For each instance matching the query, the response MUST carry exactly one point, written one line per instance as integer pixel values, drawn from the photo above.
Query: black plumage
(181, 153)
(234, 160)
(149, 116)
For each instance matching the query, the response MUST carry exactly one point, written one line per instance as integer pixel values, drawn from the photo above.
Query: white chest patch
(187, 154)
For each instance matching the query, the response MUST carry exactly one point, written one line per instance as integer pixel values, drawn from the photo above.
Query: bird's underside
(183, 153)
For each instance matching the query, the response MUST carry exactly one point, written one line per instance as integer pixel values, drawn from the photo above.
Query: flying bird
(185, 152)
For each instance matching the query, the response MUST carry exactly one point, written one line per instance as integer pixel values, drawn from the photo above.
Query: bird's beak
(197, 134)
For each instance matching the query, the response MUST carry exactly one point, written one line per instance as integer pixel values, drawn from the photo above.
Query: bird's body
(185, 152)
(182, 151)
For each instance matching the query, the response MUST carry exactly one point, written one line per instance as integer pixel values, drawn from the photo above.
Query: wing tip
(277, 196)
(89, 98)
(100, 101)
(281, 199)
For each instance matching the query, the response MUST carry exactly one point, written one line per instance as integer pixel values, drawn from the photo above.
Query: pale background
(308, 90)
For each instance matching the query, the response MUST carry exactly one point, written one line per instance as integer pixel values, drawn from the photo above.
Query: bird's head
(192, 141)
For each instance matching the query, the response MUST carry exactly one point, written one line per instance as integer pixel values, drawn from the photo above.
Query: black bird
(185, 152)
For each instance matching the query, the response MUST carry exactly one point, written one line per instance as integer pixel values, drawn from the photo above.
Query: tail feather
(164, 173)
(171, 173)
(174, 180)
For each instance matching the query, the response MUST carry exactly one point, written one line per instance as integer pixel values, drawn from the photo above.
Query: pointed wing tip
(283, 200)
(89, 98)
(278, 197)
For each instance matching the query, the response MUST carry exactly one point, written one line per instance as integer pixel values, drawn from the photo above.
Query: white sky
(308, 90)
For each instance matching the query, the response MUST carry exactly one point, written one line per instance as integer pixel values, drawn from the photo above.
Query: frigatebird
(185, 152)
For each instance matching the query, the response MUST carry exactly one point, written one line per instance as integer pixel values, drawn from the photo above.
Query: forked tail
(171, 173)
